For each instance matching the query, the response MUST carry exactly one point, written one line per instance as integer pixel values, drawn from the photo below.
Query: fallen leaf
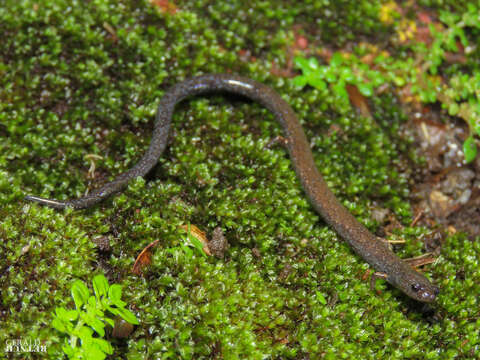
(199, 235)
(165, 6)
(144, 259)
(111, 31)
(358, 100)
(424, 17)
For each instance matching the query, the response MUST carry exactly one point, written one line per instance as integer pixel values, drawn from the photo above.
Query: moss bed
(84, 77)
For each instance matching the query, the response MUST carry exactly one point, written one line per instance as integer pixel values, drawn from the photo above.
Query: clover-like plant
(337, 74)
(89, 317)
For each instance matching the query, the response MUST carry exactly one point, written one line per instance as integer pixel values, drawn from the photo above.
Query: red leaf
(144, 259)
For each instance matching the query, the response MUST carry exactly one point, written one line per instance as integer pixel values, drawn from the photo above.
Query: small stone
(218, 245)
(441, 204)
(103, 243)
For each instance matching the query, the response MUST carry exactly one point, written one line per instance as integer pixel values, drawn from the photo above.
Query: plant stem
(73, 338)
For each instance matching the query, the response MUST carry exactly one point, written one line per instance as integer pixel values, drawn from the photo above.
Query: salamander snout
(425, 293)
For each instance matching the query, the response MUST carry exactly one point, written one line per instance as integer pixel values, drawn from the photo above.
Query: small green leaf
(62, 325)
(336, 60)
(105, 302)
(476, 127)
(347, 74)
(470, 149)
(339, 89)
(115, 292)
(66, 315)
(300, 81)
(103, 345)
(380, 59)
(100, 285)
(93, 352)
(114, 310)
(307, 66)
(329, 74)
(376, 78)
(313, 64)
(119, 303)
(85, 333)
(94, 308)
(301, 63)
(92, 302)
(91, 320)
(97, 325)
(72, 315)
(172, 250)
(61, 313)
(188, 252)
(128, 316)
(365, 89)
(197, 244)
(321, 298)
(317, 83)
(109, 321)
(59, 325)
(399, 81)
(453, 109)
(80, 293)
(69, 351)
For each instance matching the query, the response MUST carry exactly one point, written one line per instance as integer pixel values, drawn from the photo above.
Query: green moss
(81, 78)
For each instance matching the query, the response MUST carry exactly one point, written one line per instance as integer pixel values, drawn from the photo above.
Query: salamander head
(418, 287)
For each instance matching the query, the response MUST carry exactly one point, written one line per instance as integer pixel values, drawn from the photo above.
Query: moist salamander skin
(369, 247)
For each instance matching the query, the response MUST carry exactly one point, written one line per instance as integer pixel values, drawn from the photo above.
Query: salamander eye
(416, 287)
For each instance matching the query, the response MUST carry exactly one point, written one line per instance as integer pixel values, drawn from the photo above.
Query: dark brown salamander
(373, 250)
